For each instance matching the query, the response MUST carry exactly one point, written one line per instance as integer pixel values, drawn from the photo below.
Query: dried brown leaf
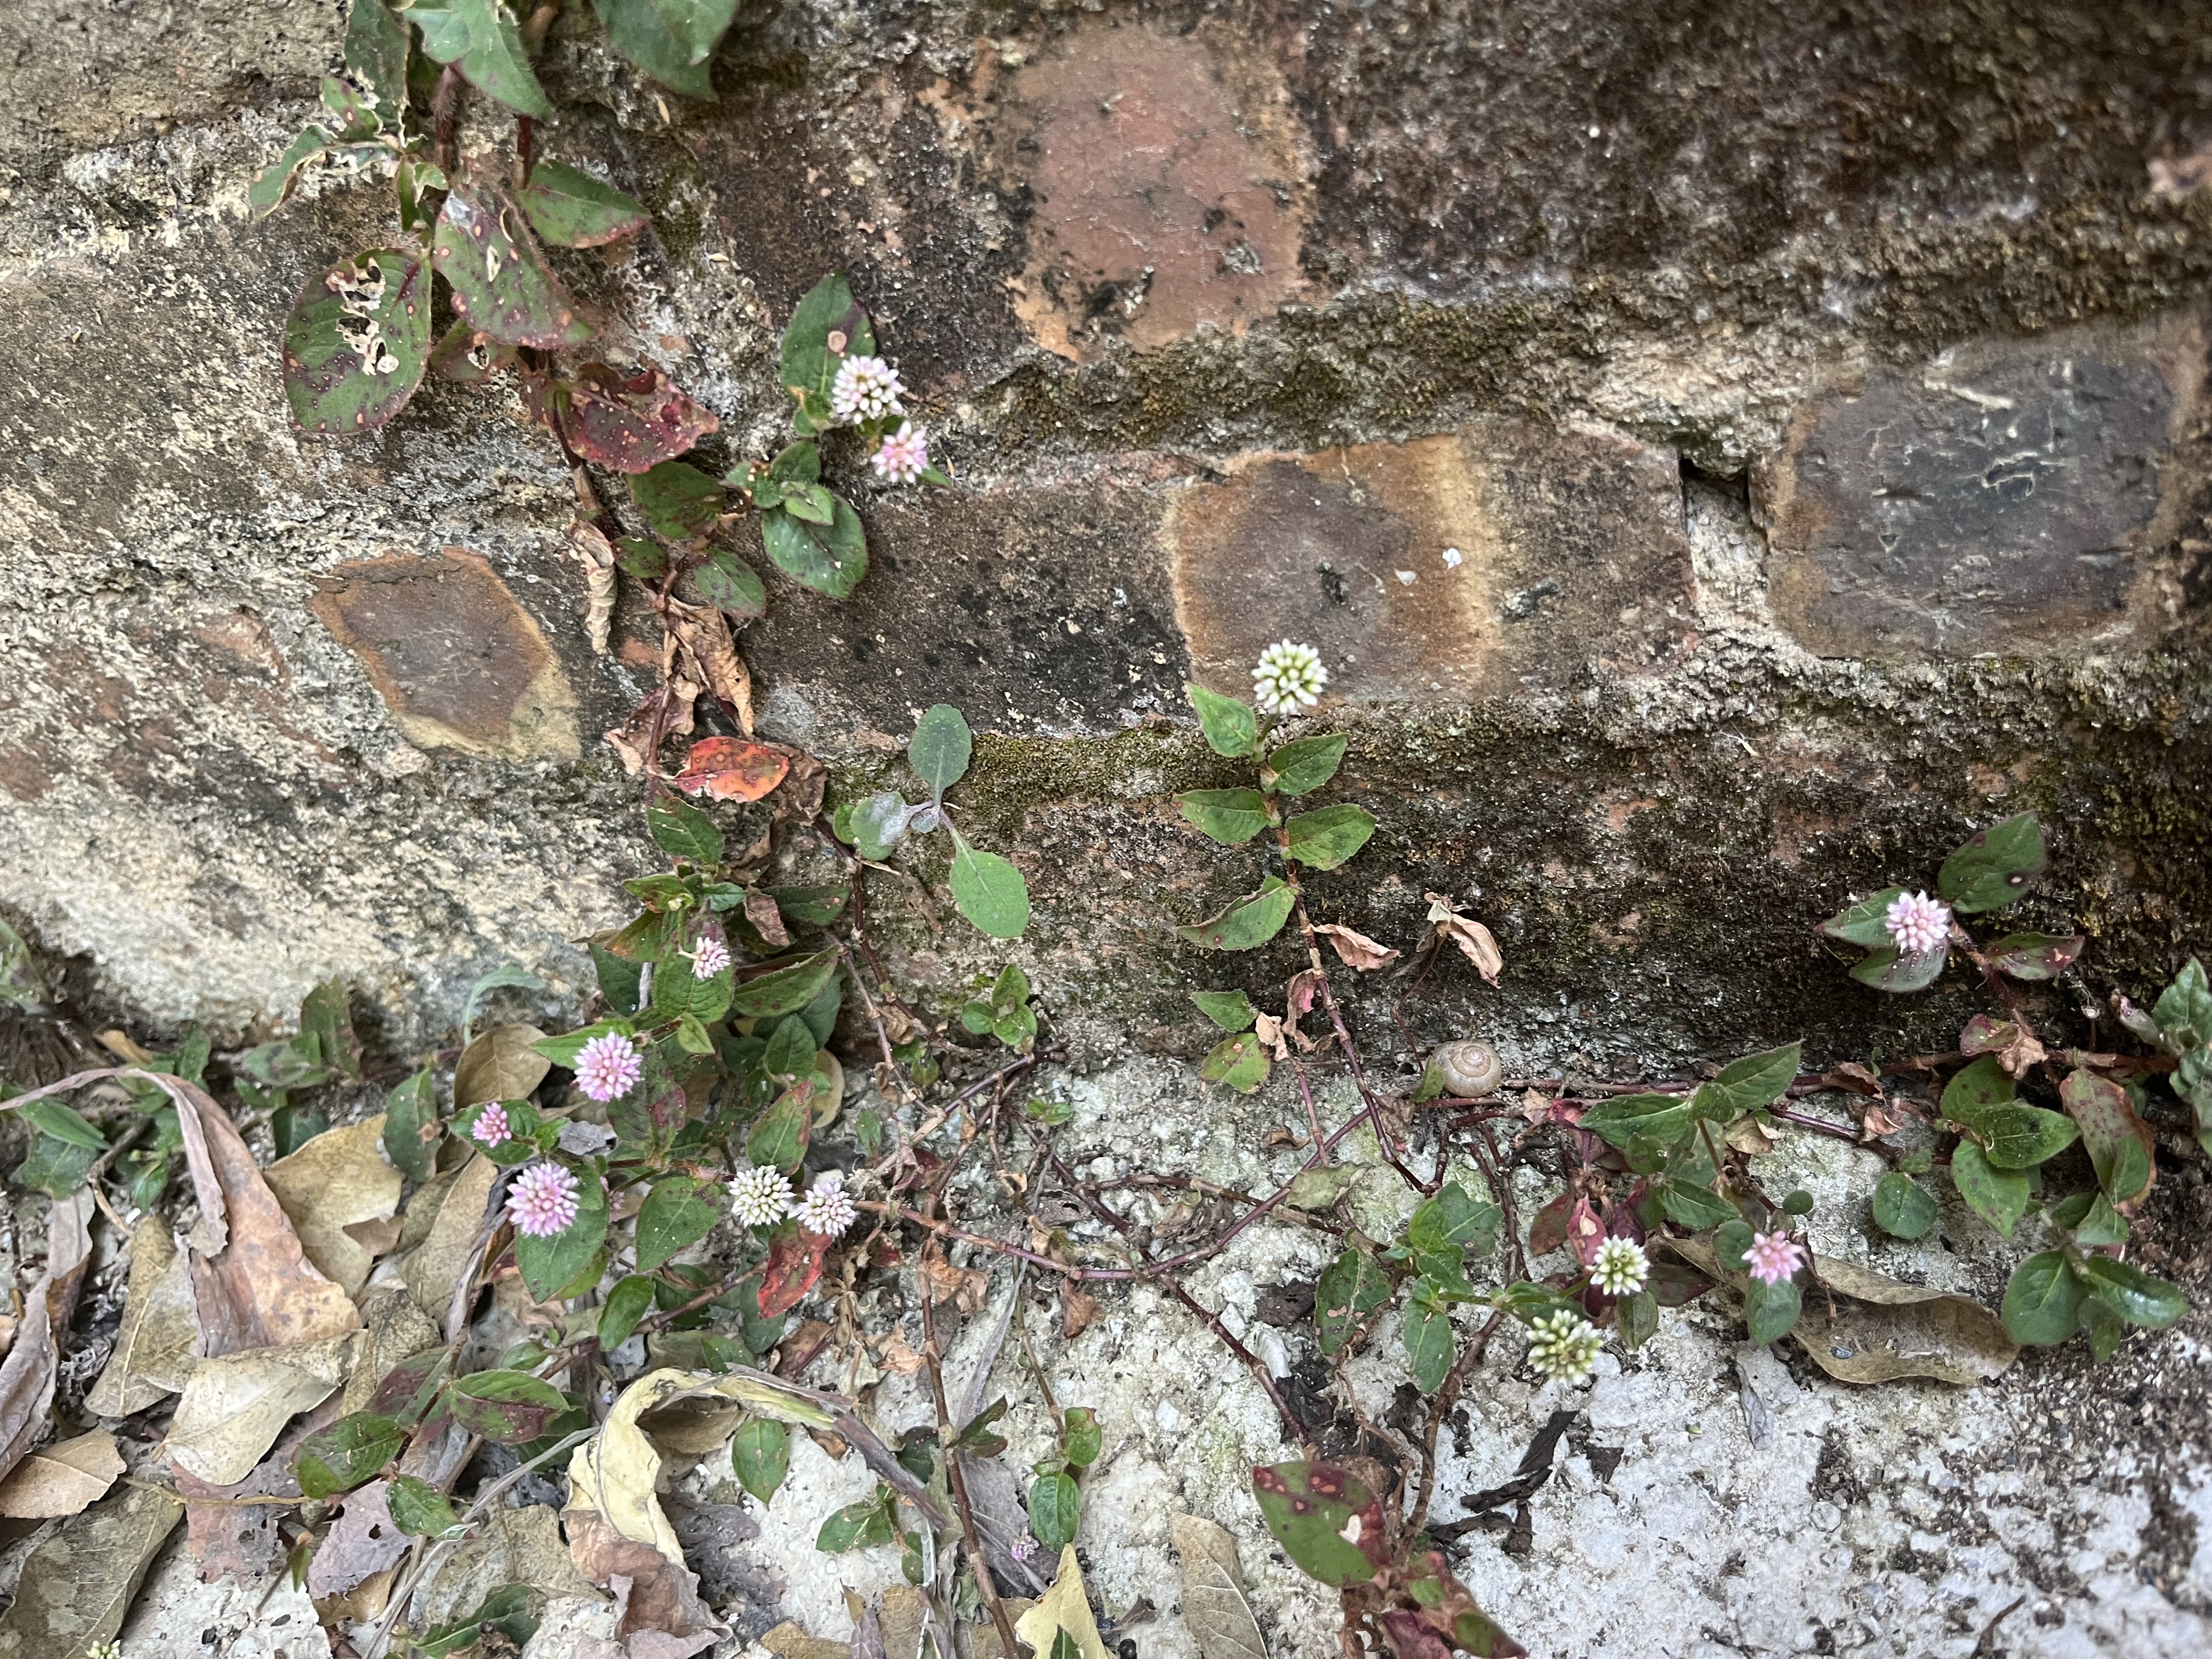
(237, 1404)
(511, 1547)
(364, 1542)
(597, 555)
(663, 1593)
(153, 1355)
(498, 1065)
(1063, 1607)
(77, 1586)
(704, 634)
(338, 1178)
(1358, 950)
(27, 1375)
(234, 1538)
(62, 1479)
(894, 1353)
(1213, 1599)
(1077, 1310)
(434, 1267)
(1473, 939)
(378, 1237)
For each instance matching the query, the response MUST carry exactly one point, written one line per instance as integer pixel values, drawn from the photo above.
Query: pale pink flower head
(542, 1201)
(1773, 1257)
(1917, 923)
(1023, 1547)
(609, 1066)
(491, 1125)
(904, 455)
(866, 389)
(759, 1195)
(827, 1207)
(710, 958)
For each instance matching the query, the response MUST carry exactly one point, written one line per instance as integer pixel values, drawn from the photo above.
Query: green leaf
(505, 977)
(1975, 1090)
(63, 1123)
(55, 1167)
(1866, 922)
(1694, 1207)
(1756, 1080)
(506, 1610)
(376, 51)
(1770, 1309)
(1240, 1060)
(2035, 956)
(1453, 1220)
(858, 1526)
(2043, 1302)
(1230, 726)
(627, 1303)
(1637, 1318)
(570, 209)
(501, 285)
(2020, 1137)
(1055, 1510)
(810, 361)
(939, 749)
(618, 979)
(2118, 1142)
(1429, 1345)
(678, 501)
(324, 1017)
(1231, 816)
(989, 891)
(1902, 1207)
(273, 184)
(419, 1509)
(1325, 839)
(512, 1407)
(797, 464)
(1249, 923)
(2130, 1292)
(2105, 1329)
(2098, 1225)
(2183, 1009)
(682, 831)
(673, 1217)
(679, 994)
(1998, 1196)
(1650, 1120)
(672, 40)
(353, 320)
(727, 583)
(409, 1109)
(791, 1049)
(778, 1137)
(551, 1265)
(1299, 767)
(480, 39)
(1312, 1508)
(830, 559)
(1351, 1288)
(1232, 1011)
(1894, 971)
(1085, 1439)
(22, 985)
(1995, 866)
(760, 1453)
(785, 989)
(352, 1450)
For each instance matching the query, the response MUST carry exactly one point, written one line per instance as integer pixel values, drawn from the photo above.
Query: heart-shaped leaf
(673, 1217)
(357, 341)
(503, 287)
(2043, 1302)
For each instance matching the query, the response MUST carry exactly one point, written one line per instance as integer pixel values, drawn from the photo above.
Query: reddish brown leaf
(730, 769)
(630, 425)
(28, 1374)
(663, 1594)
(766, 917)
(794, 1262)
(1077, 1310)
(237, 1538)
(1548, 1231)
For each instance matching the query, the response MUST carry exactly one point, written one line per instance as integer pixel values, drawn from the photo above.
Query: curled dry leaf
(77, 1586)
(337, 1179)
(62, 1479)
(2018, 1050)
(27, 1375)
(1749, 1136)
(597, 555)
(1077, 1310)
(237, 1404)
(663, 1593)
(1213, 1599)
(153, 1355)
(633, 739)
(1063, 1607)
(1358, 950)
(712, 659)
(500, 1064)
(1473, 939)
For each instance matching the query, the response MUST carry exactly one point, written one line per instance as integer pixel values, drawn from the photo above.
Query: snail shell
(1470, 1069)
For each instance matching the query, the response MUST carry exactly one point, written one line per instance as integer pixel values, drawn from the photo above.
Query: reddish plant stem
(957, 1478)
(443, 120)
(1343, 1041)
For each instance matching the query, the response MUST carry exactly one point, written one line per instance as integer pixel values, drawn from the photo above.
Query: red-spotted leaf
(571, 209)
(512, 1407)
(2036, 955)
(1326, 1520)
(468, 358)
(357, 341)
(1443, 1613)
(630, 425)
(503, 287)
(730, 769)
(2120, 1143)
(411, 1388)
(794, 1262)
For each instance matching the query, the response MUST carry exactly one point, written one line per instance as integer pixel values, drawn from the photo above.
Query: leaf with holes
(1995, 866)
(570, 209)
(1249, 923)
(731, 769)
(376, 50)
(501, 285)
(357, 341)
(468, 358)
(630, 425)
(828, 558)
(480, 39)
(510, 1407)
(677, 501)
(1326, 1521)
(794, 1262)
(1351, 1288)
(2035, 956)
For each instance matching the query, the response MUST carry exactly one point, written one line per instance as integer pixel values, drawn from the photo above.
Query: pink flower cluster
(827, 1207)
(608, 1067)
(710, 958)
(491, 1125)
(904, 455)
(542, 1201)
(1917, 923)
(1773, 1257)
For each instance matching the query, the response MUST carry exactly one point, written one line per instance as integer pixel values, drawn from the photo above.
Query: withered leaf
(338, 1178)
(704, 634)
(27, 1375)
(231, 1537)
(501, 1065)
(153, 1355)
(237, 1404)
(1213, 1599)
(77, 1586)
(597, 555)
(62, 1479)
(363, 1542)
(434, 1267)
(1473, 939)
(631, 425)
(1358, 950)
(1077, 1310)
(1063, 1607)
(729, 768)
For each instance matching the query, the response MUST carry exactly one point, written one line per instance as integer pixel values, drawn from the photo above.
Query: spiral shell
(1470, 1069)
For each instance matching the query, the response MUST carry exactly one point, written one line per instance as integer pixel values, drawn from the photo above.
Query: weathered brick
(2008, 495)
(1505, 556)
